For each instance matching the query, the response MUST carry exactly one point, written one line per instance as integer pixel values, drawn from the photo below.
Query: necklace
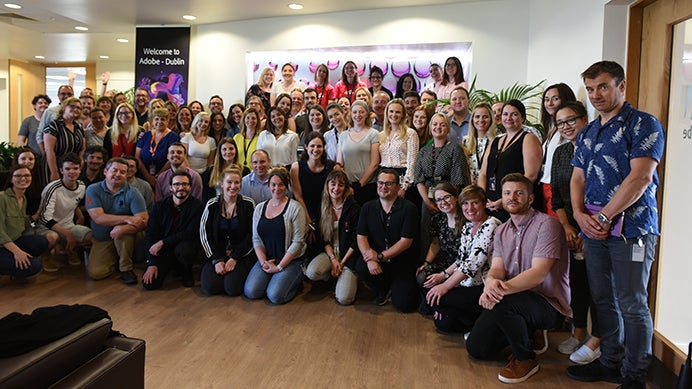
(339, 207)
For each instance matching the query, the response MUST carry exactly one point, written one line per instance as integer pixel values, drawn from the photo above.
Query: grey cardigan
(294, 221)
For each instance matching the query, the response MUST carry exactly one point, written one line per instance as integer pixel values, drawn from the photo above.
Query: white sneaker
(584, 355)
(540, 341)
(569, 345)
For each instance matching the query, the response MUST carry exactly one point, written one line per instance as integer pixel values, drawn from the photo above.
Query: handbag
(685, 376)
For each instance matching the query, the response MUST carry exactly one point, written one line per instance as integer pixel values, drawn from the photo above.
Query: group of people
(463, 213)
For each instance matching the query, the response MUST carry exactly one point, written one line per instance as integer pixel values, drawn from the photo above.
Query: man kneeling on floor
(527, 288)
(118, 219)
(172, 238)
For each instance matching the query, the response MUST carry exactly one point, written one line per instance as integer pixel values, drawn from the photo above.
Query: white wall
(122, 74)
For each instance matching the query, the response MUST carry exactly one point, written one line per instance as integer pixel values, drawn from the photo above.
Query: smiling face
(217, 123)
(21, 178)
(230, 185)
(287, 72)
(474, 210)
(395, 113)
(41, 106)
(228, 152)
(160, 123)
(251, 121)
(27, 158)
(98, 120)
(315, 149)
(358, 114)
(446, 202)
(125, 116)
(439, 127)
(316, 119)
(407, 84)
(260, 163)
(420, 119)
(185, 118)
(131, 168)
(459, 101)
(511, 118)
(284, 104)
(569, 123)
(216, 105)
(196, 108)
(277, 187)
(176, 155)
(297, 101)
(277, 118)
(94, 161)
(350, 70)
(551, 100)
(336, 118)
(203, 124)
(436, 73)
(387, 186)
(336, 190)
(70, 173)
(345, 103)
(180, 187)
(481, 119)
(379, 103)
(451, 68)
(116, 175)
(236, 114)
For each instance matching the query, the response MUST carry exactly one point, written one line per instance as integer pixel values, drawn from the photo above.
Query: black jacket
(213, 242)
(172, 224)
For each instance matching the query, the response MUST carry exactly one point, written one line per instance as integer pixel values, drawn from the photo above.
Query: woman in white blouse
(287, 84)
(277, 140)
(398, 144)
(201, 148)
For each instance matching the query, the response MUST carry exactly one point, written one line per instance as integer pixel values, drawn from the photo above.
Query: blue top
(126, 201)
(457, 131)
(273, 234)
(604, 153)
(160, 154)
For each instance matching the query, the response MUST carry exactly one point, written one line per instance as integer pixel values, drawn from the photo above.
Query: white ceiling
(51, 31)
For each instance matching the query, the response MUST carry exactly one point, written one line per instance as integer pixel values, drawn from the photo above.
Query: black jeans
(512, 323)
(231, 283)
(459, 309)
(399, 276)
(181, 257)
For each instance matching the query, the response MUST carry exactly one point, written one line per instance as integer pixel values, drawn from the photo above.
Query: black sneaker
(188, 282)
(129, 277)
(382, 298)
(593, 372)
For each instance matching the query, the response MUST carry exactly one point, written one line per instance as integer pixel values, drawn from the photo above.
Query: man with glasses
(386, 229)
(177, 155)
(172, 237)
(141, 105)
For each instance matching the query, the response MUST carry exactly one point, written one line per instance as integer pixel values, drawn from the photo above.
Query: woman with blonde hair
(63, 135)
(262, 89)
(481, 133)
(124, 133)
(201, 148)
(325, 91)
(399, 145)
(246, 139)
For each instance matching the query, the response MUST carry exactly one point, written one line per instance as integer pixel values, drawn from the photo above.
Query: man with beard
(172, 234)
(141, 105)
(527, 288)
(177, 154)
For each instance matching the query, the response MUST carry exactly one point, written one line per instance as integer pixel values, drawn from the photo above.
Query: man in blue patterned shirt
(613, 190)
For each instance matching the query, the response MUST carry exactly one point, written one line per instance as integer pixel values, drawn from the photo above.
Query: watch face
(602, 218)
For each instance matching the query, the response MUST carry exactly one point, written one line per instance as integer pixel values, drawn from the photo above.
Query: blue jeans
(618, 288)
(279, 287)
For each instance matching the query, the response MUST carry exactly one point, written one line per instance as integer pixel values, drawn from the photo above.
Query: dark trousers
(180, 257)
(399, 276)
(230, 283)
(33, 245)
(512, 323)
(459, 309)
(581, 299)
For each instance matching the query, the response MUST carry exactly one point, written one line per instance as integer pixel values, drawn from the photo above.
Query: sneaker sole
(520, 379)
(50, 269)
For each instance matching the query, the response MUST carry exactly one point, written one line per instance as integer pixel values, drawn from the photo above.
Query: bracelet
(331, 257)
(279, 267)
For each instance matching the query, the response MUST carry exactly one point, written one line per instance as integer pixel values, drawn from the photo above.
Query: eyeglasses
(444, 198)
(386, 184)
(75, 106)
(181, 185)
(21, 176)
(570, 122)
(375, 77)
(124, 113)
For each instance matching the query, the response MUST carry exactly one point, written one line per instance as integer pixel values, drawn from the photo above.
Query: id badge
(638, 250)
(152, 169)
(491, 184)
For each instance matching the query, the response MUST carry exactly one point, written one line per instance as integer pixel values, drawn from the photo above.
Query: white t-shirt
(198, 153)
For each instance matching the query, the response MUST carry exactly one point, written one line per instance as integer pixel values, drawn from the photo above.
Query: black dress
(511, 160)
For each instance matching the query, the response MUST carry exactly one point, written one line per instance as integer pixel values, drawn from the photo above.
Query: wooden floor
(220, 342)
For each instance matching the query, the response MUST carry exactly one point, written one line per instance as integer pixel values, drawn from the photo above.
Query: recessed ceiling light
(104, 56)
(122, 40)
(13, 6)
(39, 57)
(295, 6)
(81, 28)
(189, 17)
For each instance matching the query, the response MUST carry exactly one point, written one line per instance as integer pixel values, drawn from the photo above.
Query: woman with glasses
(570, 119)
(346, 87)
(63, 135)
(19, 252)
(124, 134)
(553, 96)
(453, 76)
(454, 292)
(376, 78)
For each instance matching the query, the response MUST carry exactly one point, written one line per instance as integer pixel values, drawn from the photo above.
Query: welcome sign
(162, 62)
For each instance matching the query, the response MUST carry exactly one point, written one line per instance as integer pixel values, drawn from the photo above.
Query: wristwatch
(380, 257)
(603, 219)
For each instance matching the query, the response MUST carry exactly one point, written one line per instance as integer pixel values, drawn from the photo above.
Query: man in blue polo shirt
(614, 181)
(118, 219)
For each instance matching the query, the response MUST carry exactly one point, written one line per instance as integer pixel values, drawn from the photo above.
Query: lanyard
(153, 145)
